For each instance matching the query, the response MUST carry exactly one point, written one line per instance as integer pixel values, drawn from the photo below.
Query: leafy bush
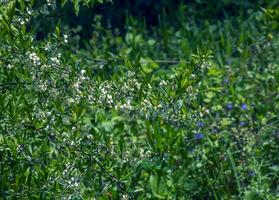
(165, 112)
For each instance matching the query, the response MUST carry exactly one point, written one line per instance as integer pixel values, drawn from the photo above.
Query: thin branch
(145, 61)
(9, 84)
(112, 177)
(5, 86)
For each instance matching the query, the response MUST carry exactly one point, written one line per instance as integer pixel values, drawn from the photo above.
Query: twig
(5, 86)
(144, 61)
(8, 84)
(112, 177)
(122, 187)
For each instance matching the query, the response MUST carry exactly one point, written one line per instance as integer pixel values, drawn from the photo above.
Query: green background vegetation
(143, 100)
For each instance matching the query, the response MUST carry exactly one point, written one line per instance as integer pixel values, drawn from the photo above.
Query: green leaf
(11, 11)
(210, 95)
(76, 6)
(63, 2)
(148, 65)
(213, 71)
(158, 186)
(234, 169)
(225, 122)
(22, 5)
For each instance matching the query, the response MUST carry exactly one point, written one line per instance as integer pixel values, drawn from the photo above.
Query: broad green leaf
(148, 65)
(158, 186)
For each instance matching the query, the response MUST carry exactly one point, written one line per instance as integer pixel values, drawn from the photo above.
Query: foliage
(169, 112)
(84, 2)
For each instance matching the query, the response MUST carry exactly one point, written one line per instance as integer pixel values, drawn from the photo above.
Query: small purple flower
(215, 131)
(252, 174)
(226, 81)
(229, 106)
(199, 136)
(200, 124)
(242, 123)
(244, 106)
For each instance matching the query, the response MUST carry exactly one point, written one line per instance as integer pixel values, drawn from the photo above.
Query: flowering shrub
(119, 119)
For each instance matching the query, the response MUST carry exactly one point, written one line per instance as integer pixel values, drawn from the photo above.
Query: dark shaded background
(150, 12)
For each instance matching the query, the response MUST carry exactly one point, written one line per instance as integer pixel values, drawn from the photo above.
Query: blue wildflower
(229, 106)
(200, 124)
(226, 81)
(244, 106)
(252, 174)
(199, 136)
(214, 130)
(242, 123)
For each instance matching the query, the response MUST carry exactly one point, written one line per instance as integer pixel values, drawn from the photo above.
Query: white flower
(49, 2)
(76, 85)
(55, 60)
(65, 38)
(29, 11)
(43, 87)
(109, 99)
(47, 47)
(127, 105)
(21, 21)
(9, 66)
(71, 100)
(163, 83)
(34, 58)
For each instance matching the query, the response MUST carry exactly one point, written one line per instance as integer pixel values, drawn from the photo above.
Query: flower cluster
(35, 59)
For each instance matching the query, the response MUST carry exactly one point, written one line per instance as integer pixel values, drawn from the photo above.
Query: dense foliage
(185, 108)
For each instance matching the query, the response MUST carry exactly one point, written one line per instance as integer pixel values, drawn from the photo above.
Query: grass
(177, 111)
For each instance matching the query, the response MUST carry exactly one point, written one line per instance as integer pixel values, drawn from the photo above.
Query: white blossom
(55, 60)
(65, 38)
(34, 58)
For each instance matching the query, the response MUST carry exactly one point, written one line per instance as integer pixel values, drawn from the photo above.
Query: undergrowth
(170, 112)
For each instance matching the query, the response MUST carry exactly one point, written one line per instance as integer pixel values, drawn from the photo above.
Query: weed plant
(184, 111)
